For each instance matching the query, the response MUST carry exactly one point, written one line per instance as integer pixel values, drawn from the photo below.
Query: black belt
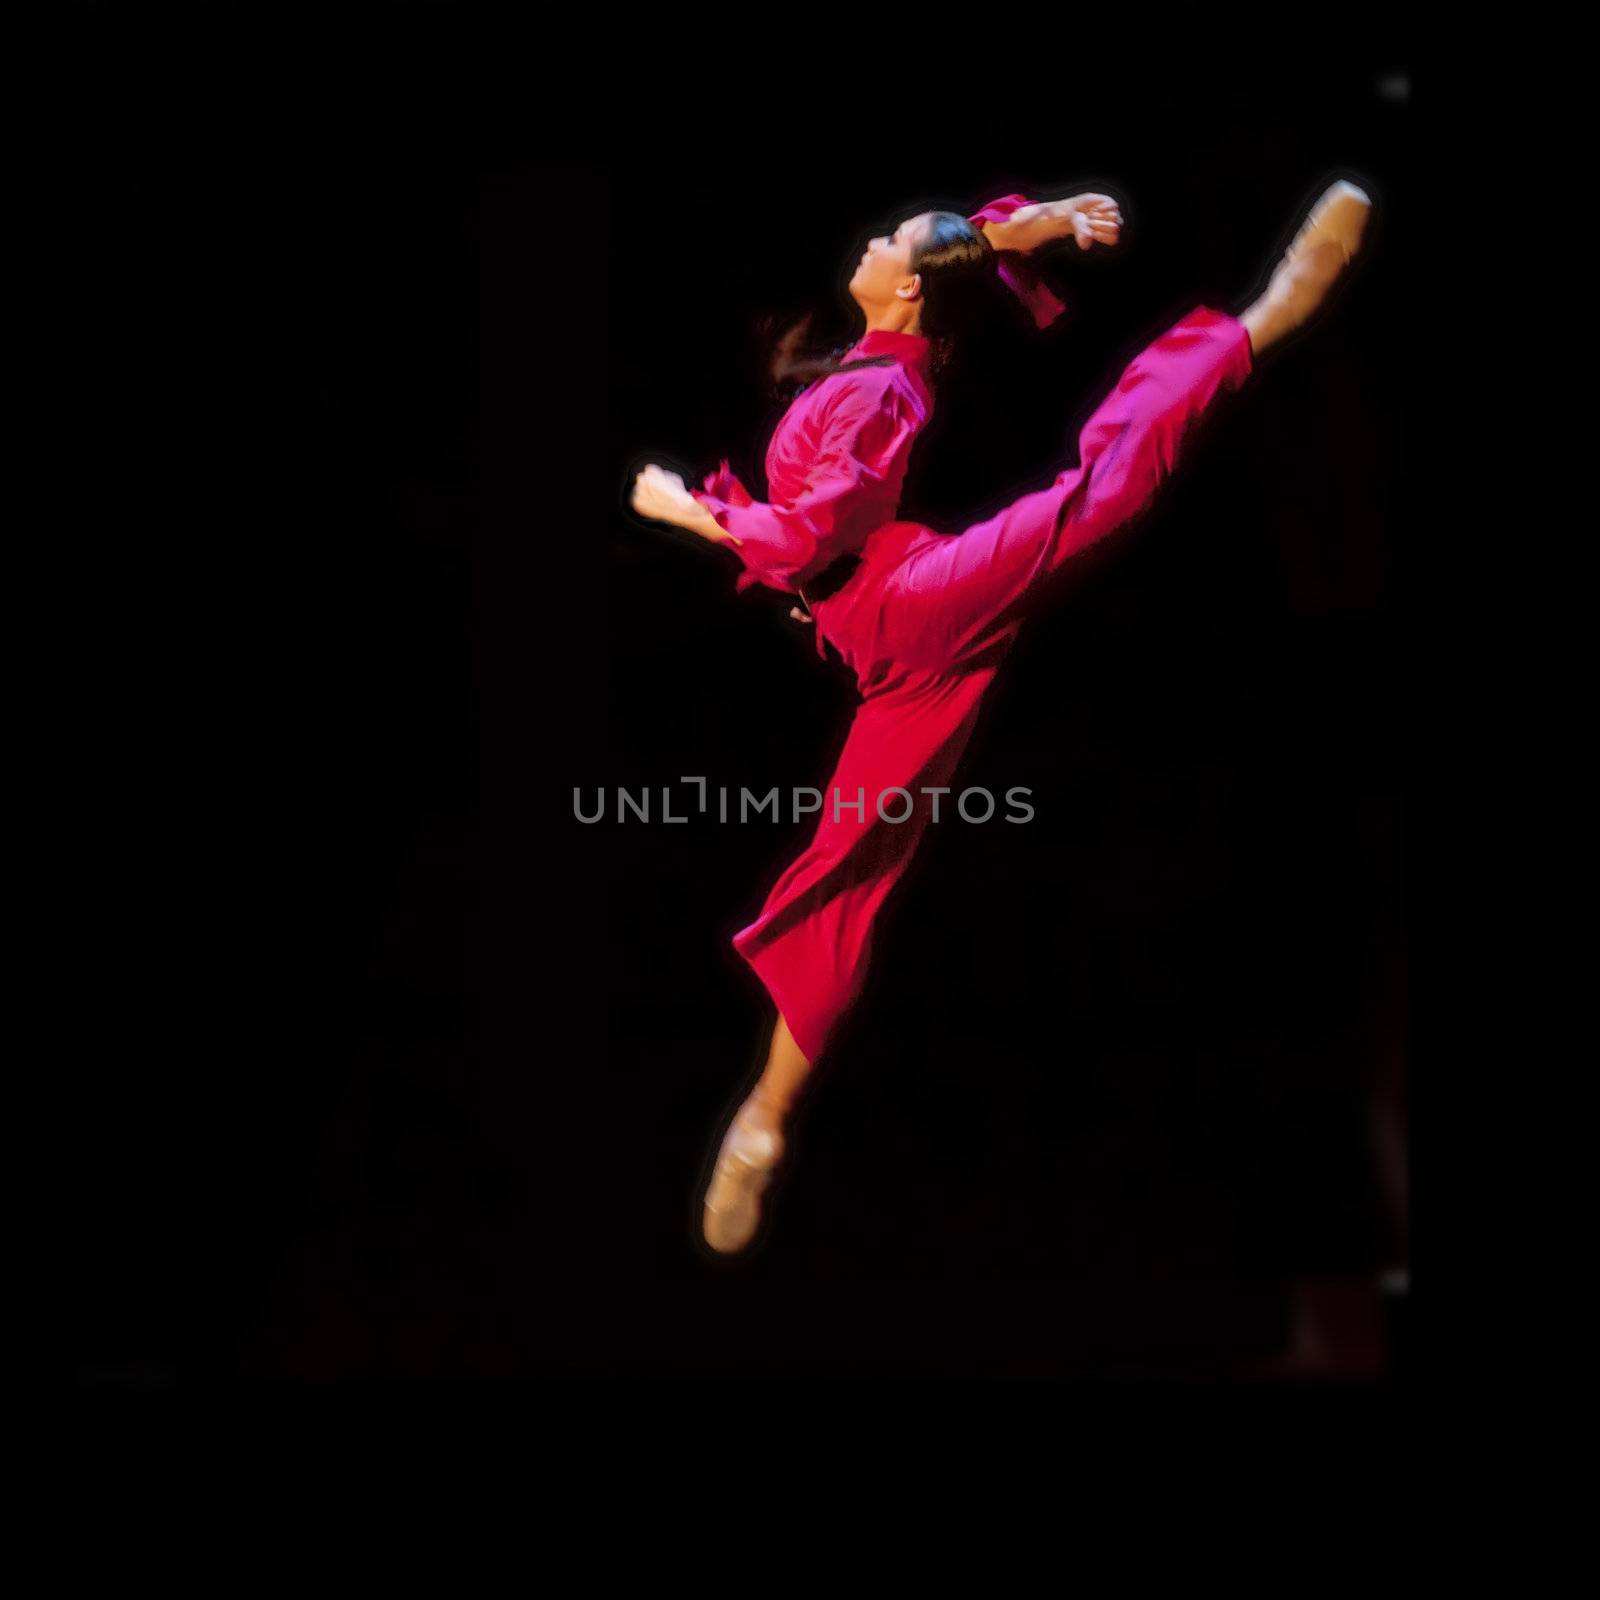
(830, 580)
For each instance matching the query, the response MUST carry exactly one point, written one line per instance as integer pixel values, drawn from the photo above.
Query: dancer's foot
(1323, 248)
(750, 1153)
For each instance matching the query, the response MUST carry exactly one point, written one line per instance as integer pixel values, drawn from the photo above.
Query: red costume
(926, 618)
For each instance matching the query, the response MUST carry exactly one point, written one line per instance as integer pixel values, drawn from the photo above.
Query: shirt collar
(910, 348)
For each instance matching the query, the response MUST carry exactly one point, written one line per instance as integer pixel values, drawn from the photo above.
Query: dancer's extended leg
(812, 941)
(958, 602)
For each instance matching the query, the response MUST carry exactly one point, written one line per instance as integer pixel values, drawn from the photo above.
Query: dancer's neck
(894, 319)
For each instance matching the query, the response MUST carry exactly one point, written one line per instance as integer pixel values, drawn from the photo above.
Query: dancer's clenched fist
(664, 497)
(660, 495)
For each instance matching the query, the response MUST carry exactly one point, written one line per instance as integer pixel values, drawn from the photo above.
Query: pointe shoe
(750, 1154)
(1339, 217)
(1322, 250)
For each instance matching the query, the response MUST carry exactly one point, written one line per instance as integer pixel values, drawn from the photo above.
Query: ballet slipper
(750, 1154)
(1339, 217)
(1321, 252)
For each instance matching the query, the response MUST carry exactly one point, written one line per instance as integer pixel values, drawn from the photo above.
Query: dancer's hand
(661, 495)
(1091, 219)
(664, 497)
(799, 615)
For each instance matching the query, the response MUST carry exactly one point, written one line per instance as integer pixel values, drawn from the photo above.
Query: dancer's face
(884, 271)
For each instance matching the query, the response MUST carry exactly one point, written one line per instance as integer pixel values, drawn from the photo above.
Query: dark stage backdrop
(1126, 1078)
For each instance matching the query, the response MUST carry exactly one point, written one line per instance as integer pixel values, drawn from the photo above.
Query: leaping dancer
(923, 620)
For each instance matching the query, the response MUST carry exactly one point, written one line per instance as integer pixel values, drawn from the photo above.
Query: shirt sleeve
(999, 210)
(853, 487)
(1017, 272)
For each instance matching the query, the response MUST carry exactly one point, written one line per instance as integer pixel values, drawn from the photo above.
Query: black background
(1126, 1079)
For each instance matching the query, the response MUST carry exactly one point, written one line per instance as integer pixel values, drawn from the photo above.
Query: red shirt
(838, 457)
(835, 466)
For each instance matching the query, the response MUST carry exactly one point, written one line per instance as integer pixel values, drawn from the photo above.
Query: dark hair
(956, 263)
(957, 267)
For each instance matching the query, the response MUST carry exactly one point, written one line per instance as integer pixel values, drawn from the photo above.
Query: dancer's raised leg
(958, 601)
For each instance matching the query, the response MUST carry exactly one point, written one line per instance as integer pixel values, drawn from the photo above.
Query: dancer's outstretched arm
(1016, 226)
(1089, 218)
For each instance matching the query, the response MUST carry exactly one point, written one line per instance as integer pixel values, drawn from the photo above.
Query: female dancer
(924, 620)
